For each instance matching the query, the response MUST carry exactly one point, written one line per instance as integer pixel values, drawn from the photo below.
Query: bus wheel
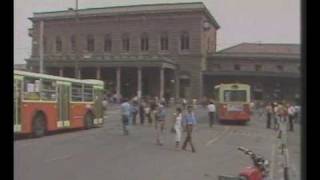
(88, 121)
(39, 126)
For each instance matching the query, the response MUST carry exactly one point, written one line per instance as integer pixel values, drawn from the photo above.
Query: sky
(263, 21)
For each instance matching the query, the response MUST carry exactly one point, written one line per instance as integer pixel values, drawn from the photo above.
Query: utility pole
(41, 46)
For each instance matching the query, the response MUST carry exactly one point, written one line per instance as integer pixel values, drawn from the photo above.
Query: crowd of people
(280, 116)
(155, 112)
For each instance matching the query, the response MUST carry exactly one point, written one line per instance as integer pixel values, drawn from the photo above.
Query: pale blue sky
(266, 21)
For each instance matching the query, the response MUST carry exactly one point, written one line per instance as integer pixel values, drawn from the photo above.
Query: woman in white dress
(178, 126)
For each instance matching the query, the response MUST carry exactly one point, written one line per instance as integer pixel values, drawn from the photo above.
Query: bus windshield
(235, 96)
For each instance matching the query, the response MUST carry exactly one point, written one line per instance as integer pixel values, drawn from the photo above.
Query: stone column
(139, 89)
(77, 72)
(118, 83)
(201, 85)
(98, 75)
(61, 72)
(161, 82)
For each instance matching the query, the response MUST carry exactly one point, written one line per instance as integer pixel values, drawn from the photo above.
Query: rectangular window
(126, 44)
(184, 41)
(88, 93)
(164, 42)
(107, 44)
(73, 43)
(237, 67)
(58, 44)
(31, 88)
(258, 67)
(280, 68)
(76, 92)
(235, 96)
(144, 44)
(90, 43)
(48, 90)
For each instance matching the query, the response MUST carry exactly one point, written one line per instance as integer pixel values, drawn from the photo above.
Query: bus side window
(76, 94)
(48, 90)
(88, 93)
(31, 89)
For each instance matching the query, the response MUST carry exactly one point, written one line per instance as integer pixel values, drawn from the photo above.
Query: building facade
(163, 50)
(272, 70)
(157, 50)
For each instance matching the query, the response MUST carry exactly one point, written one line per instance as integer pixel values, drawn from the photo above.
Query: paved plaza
(104, 153)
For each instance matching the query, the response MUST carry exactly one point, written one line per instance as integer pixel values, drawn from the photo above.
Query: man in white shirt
(212, 113)
(291, 112)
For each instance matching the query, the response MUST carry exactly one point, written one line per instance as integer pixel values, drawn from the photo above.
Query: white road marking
(218, 137)
(57, 158)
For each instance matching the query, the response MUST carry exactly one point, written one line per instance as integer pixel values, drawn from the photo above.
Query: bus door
(63, 104)
(98, 108)
(17, 103)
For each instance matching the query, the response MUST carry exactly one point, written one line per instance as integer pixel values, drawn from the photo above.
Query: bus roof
(46, 76)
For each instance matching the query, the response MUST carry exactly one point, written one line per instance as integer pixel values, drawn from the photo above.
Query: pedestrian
(184, 103)
(134, 112)
(153, 112)
(291, 114)
(147, 111)
(189, 121)
(125, 112)
(142, 112)
(269, 115)
(282, 120)
(275, 115)
(159, 123)
(178, 126)
(211, 113)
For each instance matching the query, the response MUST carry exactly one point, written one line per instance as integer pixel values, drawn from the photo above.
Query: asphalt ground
(105, 153)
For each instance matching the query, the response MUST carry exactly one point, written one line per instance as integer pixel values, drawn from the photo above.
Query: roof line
(223, 50)
(135, 5)
(230, 47)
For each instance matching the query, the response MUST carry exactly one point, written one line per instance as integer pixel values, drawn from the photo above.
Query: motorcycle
(258, 171)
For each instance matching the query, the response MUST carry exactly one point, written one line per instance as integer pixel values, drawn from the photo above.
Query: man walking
(159, 124)
(189, 121)
(269, 114)
(291, 112)
(142, 112)
(125, 112)
(212, 113)
(134, 111)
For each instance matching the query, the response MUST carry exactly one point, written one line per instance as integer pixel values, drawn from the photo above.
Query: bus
(233, 102)
(45, 103)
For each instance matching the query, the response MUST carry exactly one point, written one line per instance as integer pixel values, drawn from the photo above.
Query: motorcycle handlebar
(246, 151)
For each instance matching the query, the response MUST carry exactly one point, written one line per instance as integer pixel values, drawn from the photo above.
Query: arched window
(107, 43)
(90, 43)
(144, 42)
(45, 48)
(125, 42)
(184, 41)
(164, 42)
(73, 43)
(58, 44)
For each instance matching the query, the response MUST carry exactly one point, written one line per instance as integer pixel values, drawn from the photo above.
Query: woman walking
(178, 126)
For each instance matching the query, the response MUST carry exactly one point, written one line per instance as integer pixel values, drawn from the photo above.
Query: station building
(164, 50)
